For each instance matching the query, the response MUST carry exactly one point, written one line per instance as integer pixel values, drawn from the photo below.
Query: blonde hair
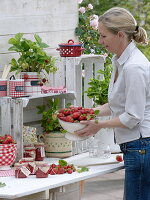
(119, 19)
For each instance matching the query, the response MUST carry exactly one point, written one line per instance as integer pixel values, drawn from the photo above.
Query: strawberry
(60, 115)
(62, 118)
(119, 158)
(46, 61)
(69, 118)
(75, 115)
(69, 171)
(44, 80)
(61, 170)
(53, 165)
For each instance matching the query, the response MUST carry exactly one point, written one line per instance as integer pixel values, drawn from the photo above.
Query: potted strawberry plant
(32, 61)
(53, 134)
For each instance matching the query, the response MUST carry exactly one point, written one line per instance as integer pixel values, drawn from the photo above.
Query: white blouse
(129, 96)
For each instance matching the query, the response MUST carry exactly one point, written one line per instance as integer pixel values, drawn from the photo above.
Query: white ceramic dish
(71, 127)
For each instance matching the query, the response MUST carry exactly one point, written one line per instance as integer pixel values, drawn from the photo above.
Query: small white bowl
(70, 128)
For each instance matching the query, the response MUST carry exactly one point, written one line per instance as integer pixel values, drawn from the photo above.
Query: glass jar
(29, 152)
(39, 151)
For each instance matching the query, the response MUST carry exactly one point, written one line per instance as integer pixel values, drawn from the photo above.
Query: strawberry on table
(119, 158)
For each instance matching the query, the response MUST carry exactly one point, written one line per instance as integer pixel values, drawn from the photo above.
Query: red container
(70, 49)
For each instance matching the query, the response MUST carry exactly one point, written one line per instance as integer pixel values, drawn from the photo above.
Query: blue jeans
(137, 169)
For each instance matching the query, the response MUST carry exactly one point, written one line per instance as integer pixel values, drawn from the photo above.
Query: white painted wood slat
(6, 115)
(17, 126)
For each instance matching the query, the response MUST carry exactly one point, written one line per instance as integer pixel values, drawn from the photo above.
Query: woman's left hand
(91, 128)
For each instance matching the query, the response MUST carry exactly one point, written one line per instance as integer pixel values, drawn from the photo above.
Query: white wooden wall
(54, 20)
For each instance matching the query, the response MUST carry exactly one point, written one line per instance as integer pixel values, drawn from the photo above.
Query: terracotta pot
(56, 145)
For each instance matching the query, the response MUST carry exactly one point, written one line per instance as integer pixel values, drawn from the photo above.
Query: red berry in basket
(119, 158)
(60, 115)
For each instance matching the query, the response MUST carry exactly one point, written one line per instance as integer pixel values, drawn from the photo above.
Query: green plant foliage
(98, 88)
(49, 120)
(32, 57)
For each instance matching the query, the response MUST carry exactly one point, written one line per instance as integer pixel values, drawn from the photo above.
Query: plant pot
(31, 83)
(56, 145)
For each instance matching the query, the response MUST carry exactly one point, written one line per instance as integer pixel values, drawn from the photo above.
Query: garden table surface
(19, 187)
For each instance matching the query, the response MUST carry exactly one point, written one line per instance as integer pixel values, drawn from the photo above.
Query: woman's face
(109, 40)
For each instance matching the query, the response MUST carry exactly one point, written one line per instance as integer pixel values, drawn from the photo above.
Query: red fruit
(119, 158)
(61, 171)
(75, 115)
(81, 118)
(44, 80)
(62, 118)
(80, 107)
(46, 61)
(69, 119)
(67, 112)
(9, 139)
(2, 138)
(60, 115)
(53, 165)
(69, 171)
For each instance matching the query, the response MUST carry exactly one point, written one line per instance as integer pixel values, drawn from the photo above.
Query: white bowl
(70, 128)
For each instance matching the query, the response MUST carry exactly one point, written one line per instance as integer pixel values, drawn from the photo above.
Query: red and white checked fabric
(4, 173)
(16, 88)
(7, 159)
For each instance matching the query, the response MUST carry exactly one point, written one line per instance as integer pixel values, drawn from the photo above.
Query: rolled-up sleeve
(135, 92)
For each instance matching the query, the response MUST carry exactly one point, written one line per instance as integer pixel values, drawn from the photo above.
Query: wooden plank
(88, 70)
(31, 24)
(17, 126)
(79, 84)
(36, 7)
(6, 115)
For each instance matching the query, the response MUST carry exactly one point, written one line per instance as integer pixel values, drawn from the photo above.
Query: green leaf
(13, 41)
(83, 169)
(18, 36)
(38, 38)
(62, 163)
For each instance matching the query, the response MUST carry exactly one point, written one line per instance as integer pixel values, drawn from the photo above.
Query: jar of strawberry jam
(39, 151)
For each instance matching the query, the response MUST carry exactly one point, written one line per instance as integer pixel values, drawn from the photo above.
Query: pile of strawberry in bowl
(69, 119)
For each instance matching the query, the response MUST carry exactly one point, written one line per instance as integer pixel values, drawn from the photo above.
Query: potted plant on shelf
(31, 62)
(54, 135)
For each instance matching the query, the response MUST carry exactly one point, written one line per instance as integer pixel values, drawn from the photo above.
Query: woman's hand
(92, 127)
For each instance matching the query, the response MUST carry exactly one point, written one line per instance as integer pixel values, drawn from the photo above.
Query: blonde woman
(128, 99)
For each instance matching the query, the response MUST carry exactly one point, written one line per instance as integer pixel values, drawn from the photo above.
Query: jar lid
(70, 43)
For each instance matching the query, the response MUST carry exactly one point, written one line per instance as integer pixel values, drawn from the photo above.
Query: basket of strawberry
(8, 152)
(69, 118)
